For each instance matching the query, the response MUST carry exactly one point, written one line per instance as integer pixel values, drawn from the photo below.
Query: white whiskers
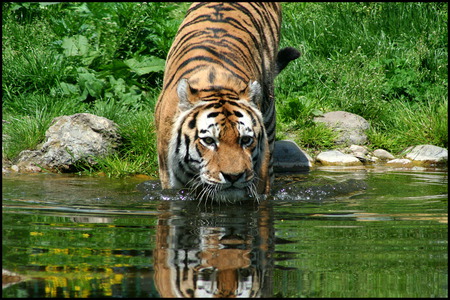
(213, 193)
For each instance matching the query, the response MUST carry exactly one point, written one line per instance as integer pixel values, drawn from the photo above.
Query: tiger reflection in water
(226, 254)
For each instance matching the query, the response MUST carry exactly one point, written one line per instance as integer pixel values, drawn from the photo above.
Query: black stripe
(216, 88)
(213, 114)
(182, 170)
(238, 114)
(177, 50)
(212, 76)
(228, 58)
(169, 82)
(183, 75)
(178, 178)
(177, 149)
(198, 150)
(230, 21)
(218, 55)
(264, 15)
(192, 122)
(187, 142)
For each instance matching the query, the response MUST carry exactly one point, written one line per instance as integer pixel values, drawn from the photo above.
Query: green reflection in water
(95, 237)
(390, 241)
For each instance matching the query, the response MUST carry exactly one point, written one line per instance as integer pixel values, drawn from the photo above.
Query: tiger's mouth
(227, 192)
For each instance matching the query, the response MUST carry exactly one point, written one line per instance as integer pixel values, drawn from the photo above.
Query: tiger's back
(219, 51)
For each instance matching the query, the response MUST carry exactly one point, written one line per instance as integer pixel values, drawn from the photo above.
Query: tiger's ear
(185, 94)
(255, 94)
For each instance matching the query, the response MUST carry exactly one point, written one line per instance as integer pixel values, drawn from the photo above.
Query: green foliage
(384, 61)
(295, 121)
(294, 106)
(93, 50)
(28, 117)
(103, 58)
(136, 154)
(138, 150)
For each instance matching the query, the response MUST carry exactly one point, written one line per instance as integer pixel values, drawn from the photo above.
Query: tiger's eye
(208, 140)
(246, 140)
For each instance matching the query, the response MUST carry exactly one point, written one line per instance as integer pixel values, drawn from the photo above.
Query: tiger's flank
(215, 116)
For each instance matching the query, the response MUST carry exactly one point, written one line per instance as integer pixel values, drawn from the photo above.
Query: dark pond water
(354, 233)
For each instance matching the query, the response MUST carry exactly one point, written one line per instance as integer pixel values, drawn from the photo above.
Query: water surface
(327, 233)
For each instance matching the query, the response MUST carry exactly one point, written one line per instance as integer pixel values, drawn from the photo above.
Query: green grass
(101, 58)
(384, 61)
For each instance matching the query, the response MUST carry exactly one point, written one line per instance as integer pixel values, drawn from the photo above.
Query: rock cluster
(350, 131)
(422, 155)
(83, 136)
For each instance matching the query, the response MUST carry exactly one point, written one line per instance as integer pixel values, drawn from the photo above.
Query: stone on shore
(400, 163)
(358, 149)
(337, 158)
(427, 155)
(288, 157)
(383, 154)
(361, 153)
(69, 140)
(349, 127)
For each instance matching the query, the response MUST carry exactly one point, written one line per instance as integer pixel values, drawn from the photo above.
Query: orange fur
(222, 53)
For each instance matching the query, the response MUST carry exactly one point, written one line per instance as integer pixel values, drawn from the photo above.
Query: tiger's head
(219, 142)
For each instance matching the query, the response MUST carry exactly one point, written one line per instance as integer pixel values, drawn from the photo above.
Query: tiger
(215, 115)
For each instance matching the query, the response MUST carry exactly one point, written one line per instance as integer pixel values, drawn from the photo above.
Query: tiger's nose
(233, 177)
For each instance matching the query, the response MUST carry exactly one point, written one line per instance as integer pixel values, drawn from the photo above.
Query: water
(328, 233)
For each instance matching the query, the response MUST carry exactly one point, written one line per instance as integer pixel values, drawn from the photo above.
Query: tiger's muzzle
(226, 187)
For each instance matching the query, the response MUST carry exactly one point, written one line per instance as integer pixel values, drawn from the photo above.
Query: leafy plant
(101, 58)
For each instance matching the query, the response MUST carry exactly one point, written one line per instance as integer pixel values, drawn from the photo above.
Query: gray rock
(427, 155)
(70, 139)
(400, 162)
(383, 154)
(360, 152)
(349, 127)
(358, 149)
(374, 159)
(337, 158)
(288, 157)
